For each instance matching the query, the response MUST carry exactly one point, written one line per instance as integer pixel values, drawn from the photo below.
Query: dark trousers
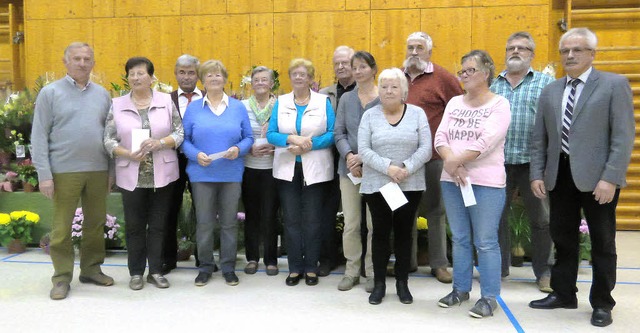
(146, 211)
(401, 221)
(170, 250)
(302, 210)
(329, 248)
(260, 200)
(538, 214)
(566, 203)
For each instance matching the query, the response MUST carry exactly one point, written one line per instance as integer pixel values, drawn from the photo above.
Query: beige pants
(351, 239)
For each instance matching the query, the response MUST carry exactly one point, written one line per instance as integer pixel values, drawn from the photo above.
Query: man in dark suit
(582, 143)
(187, 77)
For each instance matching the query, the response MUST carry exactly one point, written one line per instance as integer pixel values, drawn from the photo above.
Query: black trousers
(401, 221)
(566, 203)
(145, 213)
(260, 199)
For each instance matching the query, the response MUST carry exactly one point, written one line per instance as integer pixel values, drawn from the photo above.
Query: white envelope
(467, 193)
(355, 180)
(138, 135)
(393, 195)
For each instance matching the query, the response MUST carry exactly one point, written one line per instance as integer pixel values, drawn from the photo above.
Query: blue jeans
(481, 221)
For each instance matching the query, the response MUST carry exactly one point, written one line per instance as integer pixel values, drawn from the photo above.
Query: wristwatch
(162, 143)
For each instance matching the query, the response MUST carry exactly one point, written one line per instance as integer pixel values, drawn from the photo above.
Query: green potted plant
(520, 232)
(28, 175)
(186, 229)
(15, 229)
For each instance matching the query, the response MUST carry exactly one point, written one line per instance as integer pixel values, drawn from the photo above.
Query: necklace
(139, 103)
(301, 102)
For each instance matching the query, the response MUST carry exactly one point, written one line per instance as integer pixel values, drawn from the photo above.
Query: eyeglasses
(576, 51)
(519, 48)
(468, 71)
(299, 74)
(261, 80)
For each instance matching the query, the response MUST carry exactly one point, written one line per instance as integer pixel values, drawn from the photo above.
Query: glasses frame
(469, 71)
(519, 48)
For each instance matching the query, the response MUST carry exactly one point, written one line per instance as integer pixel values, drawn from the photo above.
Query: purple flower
(584, 227)
(240, 216)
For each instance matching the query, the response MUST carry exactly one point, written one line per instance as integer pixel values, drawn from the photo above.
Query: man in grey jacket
(72, 164)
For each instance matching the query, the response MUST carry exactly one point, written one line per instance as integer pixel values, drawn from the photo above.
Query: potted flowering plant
(585, 242)
(15, 229)
(111, 227)
(28, 175)
(422, 225)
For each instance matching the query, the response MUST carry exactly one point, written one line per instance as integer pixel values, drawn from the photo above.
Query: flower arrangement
(27, 172)
(585, 241)
(111, 228)
(17, 225)
(422, 223)
(9, 182)
(17, 113)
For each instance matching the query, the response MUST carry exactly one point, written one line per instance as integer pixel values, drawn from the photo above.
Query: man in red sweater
(431, 87)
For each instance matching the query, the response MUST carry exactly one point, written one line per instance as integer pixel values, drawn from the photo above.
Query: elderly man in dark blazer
(582, 143)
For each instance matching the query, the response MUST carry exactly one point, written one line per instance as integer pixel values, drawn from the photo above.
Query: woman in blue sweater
(217, 134)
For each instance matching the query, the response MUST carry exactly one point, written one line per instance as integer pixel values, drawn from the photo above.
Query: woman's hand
(137, 155)
(356, 171)
(150, 145)
(353, 160)
(397, 174)
(232, 153)
(460, 176)
(296, 150)
(203, 159)
(451, 164)
(262, 150)
(303, 142)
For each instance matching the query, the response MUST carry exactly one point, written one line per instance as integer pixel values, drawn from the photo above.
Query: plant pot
(16, 246)
(5, 158)
(28, 187)
(184, 254)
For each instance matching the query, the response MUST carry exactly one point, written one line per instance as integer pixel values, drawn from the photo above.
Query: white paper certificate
(216, 156)
(393, 195)
(467, 193)
(260, 141)
(355, 180)
(138, 135)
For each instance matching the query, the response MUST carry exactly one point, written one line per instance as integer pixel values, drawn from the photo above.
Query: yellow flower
(422, 224)
(4, 219)
(16, 215)
(32, 217)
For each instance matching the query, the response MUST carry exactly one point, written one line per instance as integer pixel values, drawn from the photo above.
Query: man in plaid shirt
(522, 86)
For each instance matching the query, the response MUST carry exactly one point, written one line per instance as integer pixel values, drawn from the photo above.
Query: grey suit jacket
(332, 92)
(600, 138)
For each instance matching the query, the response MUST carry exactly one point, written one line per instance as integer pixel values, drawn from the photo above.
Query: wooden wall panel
(450, 30)
(203, 7)
(261, 35)
(410, 4)
(60, 9)
(251, 6)
(46, 42)
(358, 4)
(280, 6)
(112, 49)
(306, 35)
(388, 38)
(146, 8)
(493, 3)
(103, 8)
(156, 41)
(492, 34)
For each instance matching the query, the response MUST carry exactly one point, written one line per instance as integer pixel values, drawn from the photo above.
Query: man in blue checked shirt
(522, 86)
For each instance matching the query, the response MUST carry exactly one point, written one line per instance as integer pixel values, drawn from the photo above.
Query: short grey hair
(523, 35)
(187, 60)
(483, 61)
(423, 37)
(260, 69)
(395, 74)
(344, 48)
(76, 45)
(589, 35)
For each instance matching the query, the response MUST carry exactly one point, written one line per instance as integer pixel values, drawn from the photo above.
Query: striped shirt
(524, 102)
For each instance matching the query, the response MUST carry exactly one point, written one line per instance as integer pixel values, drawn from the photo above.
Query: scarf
(262, 115)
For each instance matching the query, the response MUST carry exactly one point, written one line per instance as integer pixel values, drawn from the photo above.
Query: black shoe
(310, 280)
(293, 280)
(379, 290)
(167, 268)
(202, 279)
(231, 278)
(402, 289)
(324, 269)
(553, 302)
(601, 317)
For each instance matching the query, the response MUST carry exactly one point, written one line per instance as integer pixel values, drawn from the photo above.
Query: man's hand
(604, 192)
(537, 187)
(46, 188)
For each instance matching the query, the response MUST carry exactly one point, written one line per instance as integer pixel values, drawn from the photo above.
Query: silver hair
(187, 60)
(423, 37)
(395, 74)
(344, 48)
(75, 45)
(523, 35)
(588, 35)
(260, 69)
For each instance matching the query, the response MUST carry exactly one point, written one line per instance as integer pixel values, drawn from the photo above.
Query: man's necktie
(568, 114)
(188, 95)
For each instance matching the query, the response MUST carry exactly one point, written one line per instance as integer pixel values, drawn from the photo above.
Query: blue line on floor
(510, 315)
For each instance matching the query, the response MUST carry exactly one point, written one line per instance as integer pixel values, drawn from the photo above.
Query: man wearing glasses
(430, 87)
(522, 86)
(582, 142)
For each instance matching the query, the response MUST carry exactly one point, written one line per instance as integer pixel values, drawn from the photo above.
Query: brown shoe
(442, 275)
(59, 291)
(99, 279)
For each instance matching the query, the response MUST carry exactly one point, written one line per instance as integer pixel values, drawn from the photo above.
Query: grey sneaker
(484, 307)
(371, 283)
(158, 280)
(454, 297)
(347, 283)
(136, 282)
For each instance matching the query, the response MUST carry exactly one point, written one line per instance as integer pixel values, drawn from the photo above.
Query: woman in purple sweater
(217, 134)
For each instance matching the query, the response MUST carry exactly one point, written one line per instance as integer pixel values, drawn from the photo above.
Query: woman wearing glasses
(470, 140)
